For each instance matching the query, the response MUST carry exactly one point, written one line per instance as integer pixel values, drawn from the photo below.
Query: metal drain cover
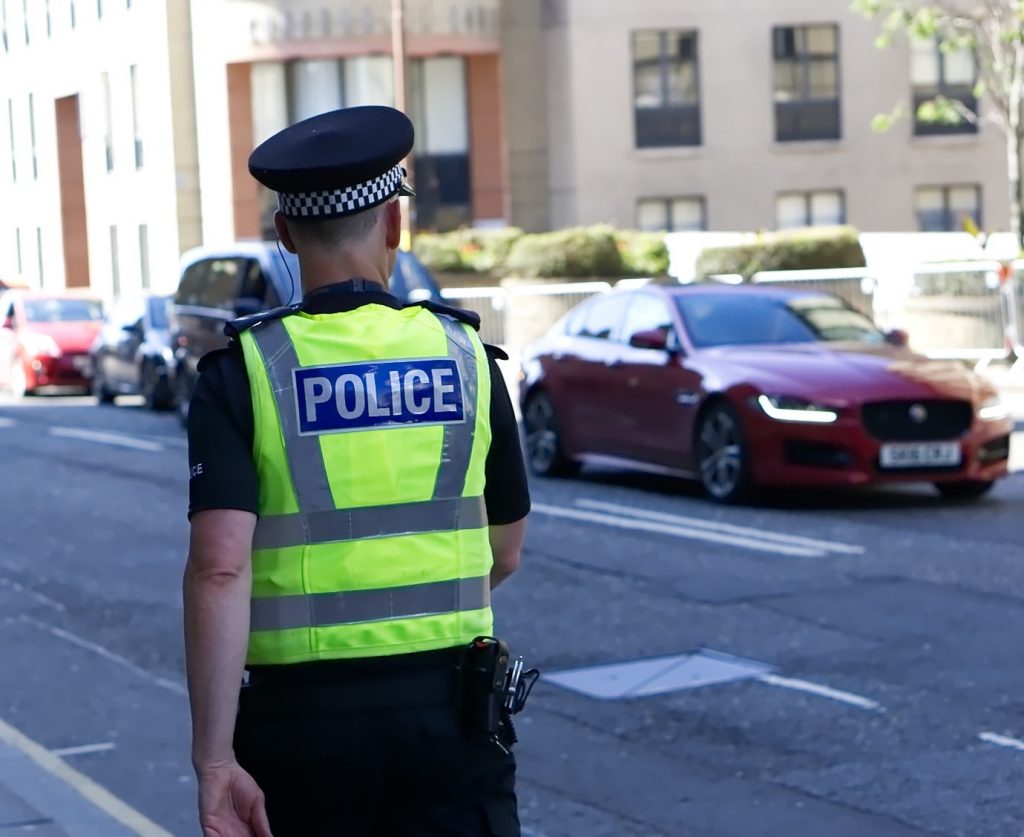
(657, 675)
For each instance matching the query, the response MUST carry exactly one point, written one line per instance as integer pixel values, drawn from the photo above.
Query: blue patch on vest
(366, 396)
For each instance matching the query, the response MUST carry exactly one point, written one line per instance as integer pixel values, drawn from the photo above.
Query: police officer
(357, 489)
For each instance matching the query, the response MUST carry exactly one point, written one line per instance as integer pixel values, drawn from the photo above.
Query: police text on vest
(367, 396)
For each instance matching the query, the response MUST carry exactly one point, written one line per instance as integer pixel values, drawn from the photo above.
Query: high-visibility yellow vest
(371, 433)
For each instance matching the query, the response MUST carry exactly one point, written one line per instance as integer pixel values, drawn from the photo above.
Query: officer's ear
(283, 233)
(393, 224)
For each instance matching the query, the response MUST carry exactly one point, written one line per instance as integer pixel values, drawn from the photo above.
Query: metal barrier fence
(517, 314)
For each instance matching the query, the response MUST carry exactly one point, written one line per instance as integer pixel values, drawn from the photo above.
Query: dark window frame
(949, 223)
(921, 93)
(806, 118)
(668, 125)
(668, 202)
(808, 197)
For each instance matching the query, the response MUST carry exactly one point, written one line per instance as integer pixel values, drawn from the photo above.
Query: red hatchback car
(744, 386)
(45, 340)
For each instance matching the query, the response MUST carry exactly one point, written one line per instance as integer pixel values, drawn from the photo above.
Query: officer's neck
(320, 269)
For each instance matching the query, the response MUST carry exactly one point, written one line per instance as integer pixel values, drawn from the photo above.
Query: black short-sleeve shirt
(220, 427)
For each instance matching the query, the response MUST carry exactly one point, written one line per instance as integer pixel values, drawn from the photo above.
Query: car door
(658, 392)
(125, 339)
(597, 409)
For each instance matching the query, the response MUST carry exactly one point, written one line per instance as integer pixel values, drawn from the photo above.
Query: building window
(144, 255)
(74, 13)
(115, 266)
(99, 9)
(945, 208)
(666, 92)
(671, 214)
(10, 127)
(3, 24)
(39, 255)
(809, 209)
(136, 121)
(806, 82)
(314, 86)
(24, 17)
(17, 250)
(32, 135)
(49, 21)
(108, 122)
(950, 73)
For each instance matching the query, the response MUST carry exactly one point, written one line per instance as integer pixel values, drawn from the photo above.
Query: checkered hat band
(339, 202)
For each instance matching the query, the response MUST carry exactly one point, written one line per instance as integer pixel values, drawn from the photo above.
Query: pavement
(42, 794)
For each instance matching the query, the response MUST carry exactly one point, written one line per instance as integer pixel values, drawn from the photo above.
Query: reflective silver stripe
(445, 515)
(305, 459)
(321, 610)
(457, 446)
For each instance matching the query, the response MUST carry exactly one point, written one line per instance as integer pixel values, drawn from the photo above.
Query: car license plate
(920, 455)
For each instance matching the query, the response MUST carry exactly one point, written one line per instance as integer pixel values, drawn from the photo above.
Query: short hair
(335, 233)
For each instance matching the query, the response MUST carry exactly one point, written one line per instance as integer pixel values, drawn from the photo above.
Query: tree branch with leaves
(994, 31)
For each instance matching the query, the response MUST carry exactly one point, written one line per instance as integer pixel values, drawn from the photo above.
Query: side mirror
(897, 337)
(247, 305)
(651, 339)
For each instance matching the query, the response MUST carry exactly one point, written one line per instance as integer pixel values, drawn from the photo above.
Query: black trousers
(372, 753)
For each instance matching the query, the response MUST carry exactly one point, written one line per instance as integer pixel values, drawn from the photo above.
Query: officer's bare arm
(217, 586)
(506, 544)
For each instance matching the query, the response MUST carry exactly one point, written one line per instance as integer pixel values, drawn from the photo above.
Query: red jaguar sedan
(748, 386)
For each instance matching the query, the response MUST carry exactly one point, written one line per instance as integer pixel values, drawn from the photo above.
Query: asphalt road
(879, 687)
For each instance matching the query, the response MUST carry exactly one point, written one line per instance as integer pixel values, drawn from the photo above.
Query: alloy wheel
(720, 454)
(543, 443)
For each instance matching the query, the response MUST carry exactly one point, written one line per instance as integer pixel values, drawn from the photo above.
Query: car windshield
(158, 311)
(56, 310)
(747, 319)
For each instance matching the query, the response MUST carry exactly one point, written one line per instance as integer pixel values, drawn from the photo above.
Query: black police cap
(337, 163)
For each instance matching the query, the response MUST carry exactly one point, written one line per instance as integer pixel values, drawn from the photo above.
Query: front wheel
(964, 489)
(544, 450)
(721, 454)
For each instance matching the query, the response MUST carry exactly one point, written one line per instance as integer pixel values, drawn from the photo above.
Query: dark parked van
(219, 284)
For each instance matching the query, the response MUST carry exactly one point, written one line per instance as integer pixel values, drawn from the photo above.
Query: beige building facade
(738, 115)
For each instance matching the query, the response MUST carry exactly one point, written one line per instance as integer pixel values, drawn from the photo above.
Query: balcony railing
(810, 119)
(666, 127)
(274, 21)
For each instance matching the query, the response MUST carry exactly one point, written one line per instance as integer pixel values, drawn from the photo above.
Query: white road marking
(1001, 740)
(60, 633)
(84, 749)
(691, 533)
(39, 597)
(83, 785)
(729, 528)
(820, 691)
(6, 422)
(116, 439)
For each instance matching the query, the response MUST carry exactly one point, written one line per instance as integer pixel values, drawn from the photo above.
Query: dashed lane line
(105, 653)
(94, 793)
(115, 439)
(820, 691)
(85, 749)
(1002, 740)
(728, 528)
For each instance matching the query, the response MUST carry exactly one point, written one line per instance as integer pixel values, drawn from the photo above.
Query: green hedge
(808, 249)
(574, 252)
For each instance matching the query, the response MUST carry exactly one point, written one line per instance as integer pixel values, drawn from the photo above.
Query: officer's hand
(231, 804)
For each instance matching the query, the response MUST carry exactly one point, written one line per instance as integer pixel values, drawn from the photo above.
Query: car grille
(917, 421)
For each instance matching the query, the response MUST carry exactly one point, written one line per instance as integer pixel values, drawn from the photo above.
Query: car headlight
(40, 345)
(788, 408)
(993, 410)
